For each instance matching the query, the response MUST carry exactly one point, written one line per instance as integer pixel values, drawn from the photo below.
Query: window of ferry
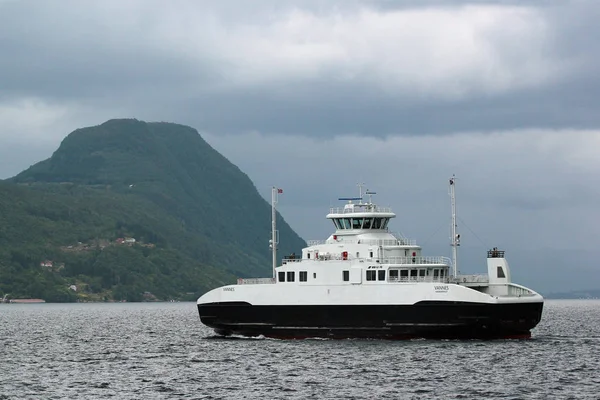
(336, 222)
(303, 276)
(367, 223)
(381, 275)
(385, 223)
(421, 273)
(404, 274)
(393, 274)
(347, 224)
(371, 275)
(500, 272)
(376, 223)
(290, 276)
(345, 276)
(356, 223)
(436, 273)
(413, 274)
(281, 275)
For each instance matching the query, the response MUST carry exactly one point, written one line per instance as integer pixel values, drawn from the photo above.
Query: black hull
(427, 319)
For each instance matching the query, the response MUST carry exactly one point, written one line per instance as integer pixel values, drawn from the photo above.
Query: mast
(455, 236)
(360, 186)
(273, 242)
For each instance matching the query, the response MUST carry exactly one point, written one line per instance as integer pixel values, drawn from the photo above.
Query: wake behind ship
(367, 282)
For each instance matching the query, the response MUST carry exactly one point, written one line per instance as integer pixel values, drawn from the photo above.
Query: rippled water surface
(156, 351)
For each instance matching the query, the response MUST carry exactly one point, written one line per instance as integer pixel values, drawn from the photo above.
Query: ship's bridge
(354, 216)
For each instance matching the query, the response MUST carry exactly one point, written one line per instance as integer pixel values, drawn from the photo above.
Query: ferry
(364, 281)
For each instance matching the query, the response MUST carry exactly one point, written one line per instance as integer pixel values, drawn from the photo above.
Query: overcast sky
(317, 96)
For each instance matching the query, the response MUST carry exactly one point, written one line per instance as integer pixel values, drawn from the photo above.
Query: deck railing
(476, 278)
(255, 281)
(399, 241)
(360, 208)
(429, 260)
(495, 253)
(413, 260)
(409, 279)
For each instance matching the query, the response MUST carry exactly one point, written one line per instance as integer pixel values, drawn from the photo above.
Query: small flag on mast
(279, 190)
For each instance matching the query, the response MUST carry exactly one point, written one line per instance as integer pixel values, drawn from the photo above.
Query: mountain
(197, 220)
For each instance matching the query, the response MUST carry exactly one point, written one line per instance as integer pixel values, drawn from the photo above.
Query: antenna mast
(274, 240)
(360, 194)
(455, 236)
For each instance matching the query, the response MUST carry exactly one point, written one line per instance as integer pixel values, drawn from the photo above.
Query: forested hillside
(129, 210)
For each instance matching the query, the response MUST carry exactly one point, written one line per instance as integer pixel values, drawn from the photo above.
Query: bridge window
(371, 275)
(347, 223)
(345, 276)
(385, 223)
(381, 275)
(281, 275)
(336, 222)
(303, 276)
(500, 272)
(376, 223)
(413, 274)
(290, 276)
(367, 223)
(356, 223)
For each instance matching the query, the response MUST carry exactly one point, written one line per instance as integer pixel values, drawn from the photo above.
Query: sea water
(162, 351)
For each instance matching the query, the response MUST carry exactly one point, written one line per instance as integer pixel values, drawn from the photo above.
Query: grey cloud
(76, 57)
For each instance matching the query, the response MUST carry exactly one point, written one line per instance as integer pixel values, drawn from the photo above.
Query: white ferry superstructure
(367, 282)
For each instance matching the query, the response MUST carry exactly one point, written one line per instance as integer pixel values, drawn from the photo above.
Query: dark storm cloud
(357, 110)
(72, 51)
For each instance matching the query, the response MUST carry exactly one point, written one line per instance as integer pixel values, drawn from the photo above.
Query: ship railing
(255, 281)
(400, 261)
(440, 279)
(287, 260)
(403, 240)
(476, 278)
(360, 208)
(385, 242)
(399, 241)
(414, 260)
(495, 253)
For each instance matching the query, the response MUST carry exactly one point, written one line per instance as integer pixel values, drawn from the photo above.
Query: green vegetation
(197, 220)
